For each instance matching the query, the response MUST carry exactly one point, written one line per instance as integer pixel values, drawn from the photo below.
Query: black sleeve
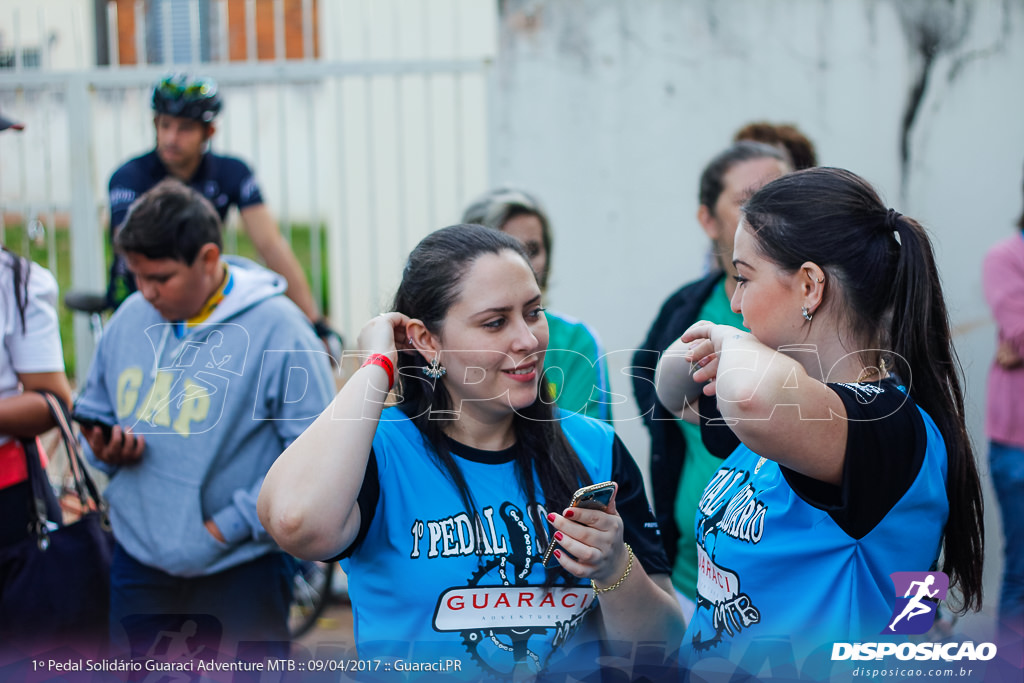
(885, 448)
(369, 494)
(640, 529)
(663, 331)
(715, 432)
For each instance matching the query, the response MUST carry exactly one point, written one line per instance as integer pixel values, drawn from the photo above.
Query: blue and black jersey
(788, 564)
(430, 580)
(224, 180)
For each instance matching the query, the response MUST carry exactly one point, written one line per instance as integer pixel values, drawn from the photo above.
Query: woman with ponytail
(841, 420)
(441, 506)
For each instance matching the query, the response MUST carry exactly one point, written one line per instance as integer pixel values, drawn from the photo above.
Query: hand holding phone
(119, 445)
(593, 497)
(89, 422)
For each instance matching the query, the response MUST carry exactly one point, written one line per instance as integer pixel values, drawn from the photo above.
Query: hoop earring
(434, 369)
(807, 314)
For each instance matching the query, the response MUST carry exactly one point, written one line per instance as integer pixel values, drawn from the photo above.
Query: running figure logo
(914, 613)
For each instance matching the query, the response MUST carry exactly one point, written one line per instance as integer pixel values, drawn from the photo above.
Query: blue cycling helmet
(190, 98)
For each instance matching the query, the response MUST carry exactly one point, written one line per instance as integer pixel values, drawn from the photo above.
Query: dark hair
(21, 270)
(497, 207)
(797, 145)
(884, 268)
(170, 221)
(431, 284)
(712, 180)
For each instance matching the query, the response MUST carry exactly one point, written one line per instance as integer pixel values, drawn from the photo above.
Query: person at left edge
(207, 373)
(184, 109)
(30, 361)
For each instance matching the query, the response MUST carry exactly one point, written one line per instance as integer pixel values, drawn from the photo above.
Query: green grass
(15, 240)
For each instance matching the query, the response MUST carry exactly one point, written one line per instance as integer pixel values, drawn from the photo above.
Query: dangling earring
(807, 314)
(434, 369)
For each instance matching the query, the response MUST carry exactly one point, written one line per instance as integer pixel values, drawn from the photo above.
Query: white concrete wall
(610, 110)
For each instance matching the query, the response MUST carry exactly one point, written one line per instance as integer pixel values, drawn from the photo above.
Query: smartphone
(89, 422)
(593, 497)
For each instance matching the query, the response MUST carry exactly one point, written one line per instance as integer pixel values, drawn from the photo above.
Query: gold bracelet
(629, 568)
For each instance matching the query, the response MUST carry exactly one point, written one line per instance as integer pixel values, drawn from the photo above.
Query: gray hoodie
(217, 404)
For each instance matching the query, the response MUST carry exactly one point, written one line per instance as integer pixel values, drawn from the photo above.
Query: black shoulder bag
(55, 584)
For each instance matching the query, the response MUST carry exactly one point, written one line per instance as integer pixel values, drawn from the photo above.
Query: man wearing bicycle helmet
(184, 109)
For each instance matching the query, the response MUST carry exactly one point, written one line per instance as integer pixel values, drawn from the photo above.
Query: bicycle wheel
(311, 590)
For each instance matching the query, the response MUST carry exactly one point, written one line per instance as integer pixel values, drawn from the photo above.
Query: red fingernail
(557, 553)
(569, 513)
(551, 517)
(558, 535)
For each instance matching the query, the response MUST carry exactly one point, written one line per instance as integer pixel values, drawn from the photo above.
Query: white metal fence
(378, 140)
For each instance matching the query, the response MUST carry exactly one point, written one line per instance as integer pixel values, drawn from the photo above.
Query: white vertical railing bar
(282, 132)
(342, 285)
(113, 44)
(284, 219)
(371, 172)
(403, 215)
(460, 166)
(315, 255)
(252, 55)
(428, 123)
(51, 214)
(140, 33)
(230, 226)
(16, 44)
(194, 38)
(117, 110)
(168, 32)
(45, 44)
(86, 268)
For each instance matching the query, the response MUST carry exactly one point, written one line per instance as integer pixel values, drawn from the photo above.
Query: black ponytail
(20, 271)
(883, 266)
(921, 337)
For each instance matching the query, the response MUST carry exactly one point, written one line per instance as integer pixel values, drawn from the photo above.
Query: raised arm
(774, 406)
(308, 500)
(262, 229)
(677, 390)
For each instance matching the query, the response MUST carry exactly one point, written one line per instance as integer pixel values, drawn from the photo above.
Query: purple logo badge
(917, 597)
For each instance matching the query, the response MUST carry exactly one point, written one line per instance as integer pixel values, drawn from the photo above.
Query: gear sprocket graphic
(473, 639)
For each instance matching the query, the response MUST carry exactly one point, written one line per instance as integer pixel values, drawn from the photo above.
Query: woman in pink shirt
(1003, 278)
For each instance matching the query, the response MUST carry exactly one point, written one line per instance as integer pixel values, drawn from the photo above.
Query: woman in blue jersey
(441, 506)
(848, 457)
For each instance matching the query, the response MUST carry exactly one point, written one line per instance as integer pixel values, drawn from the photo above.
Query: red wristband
(380, 360)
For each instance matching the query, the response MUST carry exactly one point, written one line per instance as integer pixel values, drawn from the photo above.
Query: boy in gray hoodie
(206, 375)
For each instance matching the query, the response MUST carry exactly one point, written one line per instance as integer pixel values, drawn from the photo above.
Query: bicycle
(311, 591)
(311, 583)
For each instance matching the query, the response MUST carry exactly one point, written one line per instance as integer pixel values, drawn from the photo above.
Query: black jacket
(668, 447)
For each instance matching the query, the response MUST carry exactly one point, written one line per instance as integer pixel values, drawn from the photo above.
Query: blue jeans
(1007, 466)
(240, 612)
